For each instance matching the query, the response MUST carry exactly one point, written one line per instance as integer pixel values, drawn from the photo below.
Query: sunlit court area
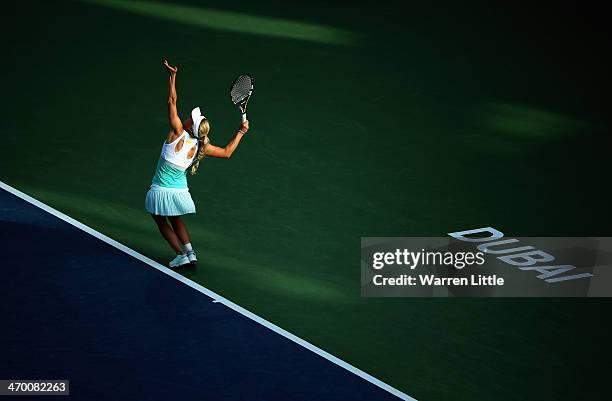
(364, 129)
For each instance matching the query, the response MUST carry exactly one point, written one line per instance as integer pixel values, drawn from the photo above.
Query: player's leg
(180, 228)
(166, 231)
(170, 236)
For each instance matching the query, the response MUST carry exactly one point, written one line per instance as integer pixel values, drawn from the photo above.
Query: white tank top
(181, 158)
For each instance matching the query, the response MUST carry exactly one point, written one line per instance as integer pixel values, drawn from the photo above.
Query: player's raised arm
(175, 121)
(226, 152)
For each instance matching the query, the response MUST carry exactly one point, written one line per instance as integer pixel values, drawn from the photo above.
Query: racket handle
(243, 117)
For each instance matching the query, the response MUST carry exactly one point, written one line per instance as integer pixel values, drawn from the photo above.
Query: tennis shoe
(180, 260)
(191, 255)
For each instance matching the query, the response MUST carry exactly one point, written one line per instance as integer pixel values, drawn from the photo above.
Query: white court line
(216, 297)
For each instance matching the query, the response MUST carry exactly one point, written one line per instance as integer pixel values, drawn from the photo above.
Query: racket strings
(241, 88)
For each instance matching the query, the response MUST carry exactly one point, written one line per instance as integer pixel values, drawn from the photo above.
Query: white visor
(197, 118)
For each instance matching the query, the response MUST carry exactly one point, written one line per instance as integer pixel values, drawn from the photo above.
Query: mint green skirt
(164, 201)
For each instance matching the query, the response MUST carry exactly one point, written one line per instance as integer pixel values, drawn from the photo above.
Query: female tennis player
(186, 145)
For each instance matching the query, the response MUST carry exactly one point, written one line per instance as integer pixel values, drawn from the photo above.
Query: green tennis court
(366, 120)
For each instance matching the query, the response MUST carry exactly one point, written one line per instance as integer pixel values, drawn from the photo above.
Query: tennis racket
(241, 91)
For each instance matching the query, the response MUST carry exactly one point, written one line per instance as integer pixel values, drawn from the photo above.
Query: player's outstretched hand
(245, 126)
(171, 70)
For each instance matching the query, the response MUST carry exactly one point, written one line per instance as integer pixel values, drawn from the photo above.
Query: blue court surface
(77, 307)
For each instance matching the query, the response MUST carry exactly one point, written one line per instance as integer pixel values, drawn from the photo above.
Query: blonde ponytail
(203, 141)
